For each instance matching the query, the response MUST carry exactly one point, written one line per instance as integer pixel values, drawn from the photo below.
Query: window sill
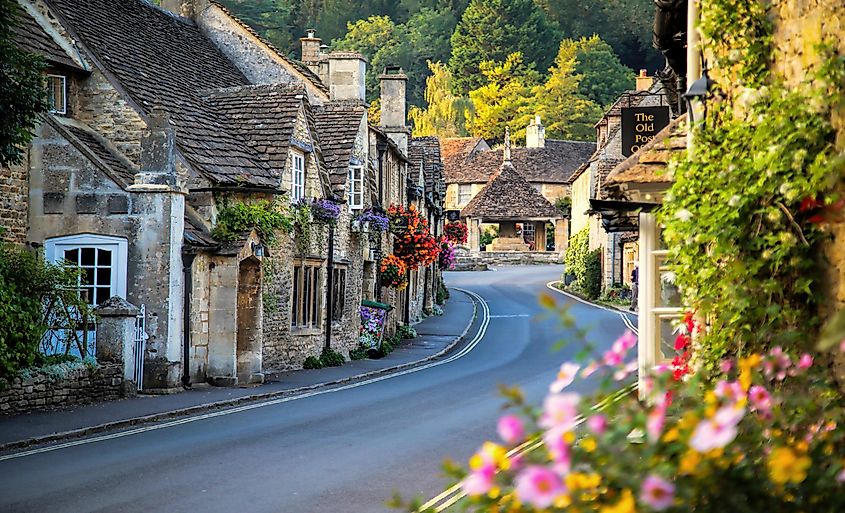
(305, 332)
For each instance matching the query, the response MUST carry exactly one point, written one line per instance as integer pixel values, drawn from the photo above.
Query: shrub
(359, 353)
(312, 362)
(265, 217)
(331, 358)
(442, 293)
(584, 264)
(590, 282)
(488, 236)
(406, 331)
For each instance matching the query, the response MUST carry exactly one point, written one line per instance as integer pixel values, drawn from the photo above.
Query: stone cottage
(161, 120)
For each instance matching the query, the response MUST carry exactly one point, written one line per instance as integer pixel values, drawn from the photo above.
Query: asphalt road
(345, 451)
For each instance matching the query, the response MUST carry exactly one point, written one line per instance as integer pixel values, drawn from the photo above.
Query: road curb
(588, 302)
(182, 412)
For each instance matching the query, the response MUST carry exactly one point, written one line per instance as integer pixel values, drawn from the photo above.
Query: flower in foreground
(479, 481)
(805, 362)
(626, 504)
(538, 486)
(787, 465)
(657, 492)
(559, 411)
(760, 399)
(510, 429)
(717, 432)
(565, 376)
(597, 424)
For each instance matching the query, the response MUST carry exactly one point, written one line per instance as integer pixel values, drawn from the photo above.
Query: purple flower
(325, 211)
(657, 492)
(377, 221)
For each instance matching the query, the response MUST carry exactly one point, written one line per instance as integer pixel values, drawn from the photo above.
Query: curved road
(345, 451)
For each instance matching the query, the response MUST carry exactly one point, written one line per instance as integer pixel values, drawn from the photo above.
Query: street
(342, 451)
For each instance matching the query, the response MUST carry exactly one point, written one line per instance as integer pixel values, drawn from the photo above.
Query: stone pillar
(561, 235)
(116, 334)
(393, 121)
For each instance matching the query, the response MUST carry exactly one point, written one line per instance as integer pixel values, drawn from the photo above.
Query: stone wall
(78, 385)
(14, 193)
(476, 261)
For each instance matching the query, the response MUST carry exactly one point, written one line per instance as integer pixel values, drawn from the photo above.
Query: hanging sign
(640, 125)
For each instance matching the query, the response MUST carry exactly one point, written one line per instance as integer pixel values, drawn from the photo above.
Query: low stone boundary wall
(64, 385)
(481, 260)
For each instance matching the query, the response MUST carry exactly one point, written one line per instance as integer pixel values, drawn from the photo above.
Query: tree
(275, 20)
(506, 98)
(490, 30)
(429, 32)
(603, 77)
(22, 92)
(569, 114)
(446, 113)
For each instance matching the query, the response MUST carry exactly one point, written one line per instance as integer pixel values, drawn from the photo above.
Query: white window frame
(50, 91)
(54, 250)
(355, 187)
(464, 195)
(297, 175)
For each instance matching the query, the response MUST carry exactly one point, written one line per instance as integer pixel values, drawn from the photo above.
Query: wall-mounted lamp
(698, 90)
(258, 249)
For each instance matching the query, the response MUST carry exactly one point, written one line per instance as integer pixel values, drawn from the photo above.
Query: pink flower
(730, 391)
(480, 481)
(805, 362)
(657, 492)
(760, 399)
(842, 346)
(559, 451)
(590, 369)
(510, 429)
(597, 424)
(717, 432)
(538, 486)
(565, 376)
(559, 411)
(613, 358)
(625, 371)
(654, 424)
(627, 341)
(726, 366)
(840, 477)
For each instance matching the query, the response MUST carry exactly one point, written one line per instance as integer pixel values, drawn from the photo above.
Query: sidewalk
(436, 335)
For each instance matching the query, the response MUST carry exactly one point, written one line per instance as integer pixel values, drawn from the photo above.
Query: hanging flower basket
(456, 232)
(325, 211)
(393, 272)
(371, 221)
(446, 257)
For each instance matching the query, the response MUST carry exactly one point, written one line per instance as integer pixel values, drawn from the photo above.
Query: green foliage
(584, 264)
(489, 234)
(406, 332)
(302, 227)
(275, 20)
(491, 30)
(28, 288)
(446, 114)
(359, 353)
(265, 217)
(603, 77)
(442, 293)
(312, 362)
(564, 205)
(331, 358)
(742, 218)
(618, 295)
(22, 92)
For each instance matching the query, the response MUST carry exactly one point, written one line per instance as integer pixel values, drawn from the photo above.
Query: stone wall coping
(116, 306)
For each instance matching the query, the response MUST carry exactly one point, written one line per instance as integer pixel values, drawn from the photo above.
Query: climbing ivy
(265, 217)
(744, 217)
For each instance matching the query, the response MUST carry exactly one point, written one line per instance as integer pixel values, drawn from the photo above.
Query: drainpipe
(187, 263)
(408, 300)
(330, 288)
(613, 259)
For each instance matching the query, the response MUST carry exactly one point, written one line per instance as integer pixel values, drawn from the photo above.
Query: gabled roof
(455, 151)
(554, 163)
(164, 61)
(338, 124)
(31, 37)
(424, 153)
(508, 196)
(650, 163)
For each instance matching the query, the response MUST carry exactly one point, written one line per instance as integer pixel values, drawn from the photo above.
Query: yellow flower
(581, 481)
(745, 366)
(786, 466)
(569, 437)
(563, 501)
(494, 492)
(671, 435)
(625, 505)
(688, 421)
(689, 462)
(588, 444)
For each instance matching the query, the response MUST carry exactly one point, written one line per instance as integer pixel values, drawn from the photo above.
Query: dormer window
(57, 94)
(356, 187)
(297, 182)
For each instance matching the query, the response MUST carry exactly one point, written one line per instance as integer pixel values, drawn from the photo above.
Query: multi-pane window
(356, 187)
(57, 94)
(306, 304)
(297, 183)
(464, 193)
(338, 293)
(101, 260)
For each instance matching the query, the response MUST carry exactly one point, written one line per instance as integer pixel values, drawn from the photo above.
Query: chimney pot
(644, 81)
(310, 45)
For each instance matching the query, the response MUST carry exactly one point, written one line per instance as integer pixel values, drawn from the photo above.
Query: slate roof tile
(338, 124)
(424, 152)
(508, 188)
(31, 37)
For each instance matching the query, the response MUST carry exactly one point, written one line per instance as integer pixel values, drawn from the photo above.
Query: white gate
(140, 345)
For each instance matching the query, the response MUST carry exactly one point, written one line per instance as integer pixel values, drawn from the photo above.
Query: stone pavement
(436, 336)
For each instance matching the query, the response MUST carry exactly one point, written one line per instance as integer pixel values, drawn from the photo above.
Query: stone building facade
(152, 134)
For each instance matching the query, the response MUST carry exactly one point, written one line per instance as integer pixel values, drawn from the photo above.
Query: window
(306, 304)
(57, 94)
(102, 260)
(338, 292)
(356, 187)
(464, 193)
(297, 183)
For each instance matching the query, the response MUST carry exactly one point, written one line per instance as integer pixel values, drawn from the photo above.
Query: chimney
(179, 7)
(158, 160)
(347, 76)
(310, 48)
(535, 134)
(644, 81)
(393, 122)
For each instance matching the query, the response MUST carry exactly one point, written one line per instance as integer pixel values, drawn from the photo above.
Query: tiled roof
(649, 164)
(164, 61)
(425, 152)
(197, 236)
(338, 124)
(119, 166)
(30, 36)
(555, 163)
(455, 151)
(508, 196)
(299, 66)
